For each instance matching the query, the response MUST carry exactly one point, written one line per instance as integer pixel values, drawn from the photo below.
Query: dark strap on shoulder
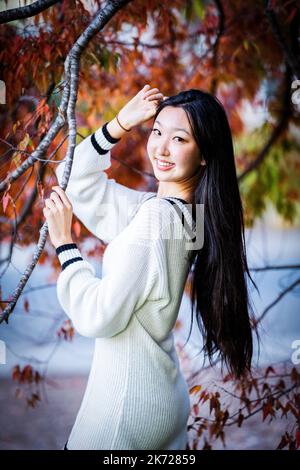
(176, 206)
(178, 209)
(183, 219)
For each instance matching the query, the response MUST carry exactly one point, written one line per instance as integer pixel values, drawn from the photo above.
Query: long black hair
(218, 270)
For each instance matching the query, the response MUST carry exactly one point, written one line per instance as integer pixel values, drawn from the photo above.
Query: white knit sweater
(136, 396)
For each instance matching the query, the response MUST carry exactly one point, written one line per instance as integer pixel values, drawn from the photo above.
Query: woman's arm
(114, 128)
(104, 307)
(138, 110)
(104, 206)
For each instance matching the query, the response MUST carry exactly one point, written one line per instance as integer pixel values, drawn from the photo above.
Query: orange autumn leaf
(77, 228)
(195, 389)
(5, 200)
(26, 305)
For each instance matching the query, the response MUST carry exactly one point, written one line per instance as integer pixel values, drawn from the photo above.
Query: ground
(48, 425)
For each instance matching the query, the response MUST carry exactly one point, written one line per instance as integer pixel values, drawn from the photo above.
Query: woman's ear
(202, 161)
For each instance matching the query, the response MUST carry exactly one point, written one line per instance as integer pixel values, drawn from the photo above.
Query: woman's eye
(177, 137)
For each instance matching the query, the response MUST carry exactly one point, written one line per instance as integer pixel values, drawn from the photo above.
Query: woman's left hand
(58, 211)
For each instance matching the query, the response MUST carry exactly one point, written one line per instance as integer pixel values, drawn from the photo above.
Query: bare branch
(19, 219)
(47, 140)
(270, 268)
(219, 6)
(214, 47)
(278, 394)
(26, 11)
(288, 53)
(278, 129)
(70, 97)
(282, 294)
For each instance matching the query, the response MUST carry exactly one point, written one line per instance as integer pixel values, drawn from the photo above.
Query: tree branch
(278, 129)
(289, 56)
(269, 268)
(47, 140)
(69, 102)
(282, 294)
(219, 6)
(26, 11)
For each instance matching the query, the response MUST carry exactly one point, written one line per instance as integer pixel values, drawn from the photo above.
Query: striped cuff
(67, 254)
(102, 141)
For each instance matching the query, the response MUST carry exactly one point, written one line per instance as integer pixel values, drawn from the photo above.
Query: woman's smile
(163, 165)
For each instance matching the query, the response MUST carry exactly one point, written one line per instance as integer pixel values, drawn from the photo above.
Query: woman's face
(171, 140)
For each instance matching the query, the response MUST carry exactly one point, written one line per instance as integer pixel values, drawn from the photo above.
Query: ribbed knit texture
(136, 396)
(68, 254)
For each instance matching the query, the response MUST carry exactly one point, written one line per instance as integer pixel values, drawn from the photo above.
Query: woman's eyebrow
(175, 128)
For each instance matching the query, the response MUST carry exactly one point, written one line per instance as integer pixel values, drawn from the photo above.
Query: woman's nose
(163, 149)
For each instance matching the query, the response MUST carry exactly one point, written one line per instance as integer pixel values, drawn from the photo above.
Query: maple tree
(58, 56)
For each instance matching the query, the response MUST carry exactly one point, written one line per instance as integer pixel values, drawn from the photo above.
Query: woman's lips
(163, 167)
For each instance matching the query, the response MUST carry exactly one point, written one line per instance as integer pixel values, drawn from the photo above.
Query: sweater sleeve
(103, 307)
(104, 206)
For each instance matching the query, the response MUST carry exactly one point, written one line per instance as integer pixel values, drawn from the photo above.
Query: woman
(136, 396)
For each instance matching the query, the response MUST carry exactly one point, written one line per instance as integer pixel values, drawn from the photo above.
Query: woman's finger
(155, 97)
(62, 196)
(57, 200)
(150, 92)
(50, 204)
(154, 103)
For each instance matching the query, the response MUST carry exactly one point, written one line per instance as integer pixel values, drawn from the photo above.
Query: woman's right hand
(141, 107)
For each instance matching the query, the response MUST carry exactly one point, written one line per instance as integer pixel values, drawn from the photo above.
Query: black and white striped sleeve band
(102, 141)
(67, 254)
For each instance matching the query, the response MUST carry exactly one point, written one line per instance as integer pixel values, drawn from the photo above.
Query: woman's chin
(162, 177)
